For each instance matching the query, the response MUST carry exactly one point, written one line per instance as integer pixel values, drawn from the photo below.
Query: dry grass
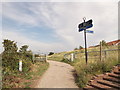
(94, 66)
(24, 80)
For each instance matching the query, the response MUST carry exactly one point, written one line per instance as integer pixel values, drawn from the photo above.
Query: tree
(104, 43)
(76, 49)
(36, 55)
(23, 49)
(24, 53)
(9, 56)
(51, 53)
(9, 46)
(80, 47)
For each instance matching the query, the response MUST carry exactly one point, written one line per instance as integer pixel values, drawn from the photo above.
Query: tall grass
(94, 67)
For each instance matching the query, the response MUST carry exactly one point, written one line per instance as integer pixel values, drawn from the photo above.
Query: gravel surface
(58, 75)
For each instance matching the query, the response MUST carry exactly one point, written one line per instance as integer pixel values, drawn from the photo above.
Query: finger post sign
(82, 27)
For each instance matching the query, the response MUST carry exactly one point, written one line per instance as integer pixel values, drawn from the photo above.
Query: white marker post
(20, 65)
(71, 56)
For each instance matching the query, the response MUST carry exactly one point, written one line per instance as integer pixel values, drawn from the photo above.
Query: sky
(53, 26)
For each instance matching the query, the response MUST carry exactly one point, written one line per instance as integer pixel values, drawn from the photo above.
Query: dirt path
(58, 75)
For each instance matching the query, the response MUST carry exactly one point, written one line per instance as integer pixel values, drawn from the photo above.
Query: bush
(26, 65)
(51, 53)
(10, 57)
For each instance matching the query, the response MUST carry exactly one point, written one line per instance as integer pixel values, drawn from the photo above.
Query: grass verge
(25, 80)
(94, 67)
(86, 72)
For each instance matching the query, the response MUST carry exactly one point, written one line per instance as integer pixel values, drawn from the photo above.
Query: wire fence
(92, 55)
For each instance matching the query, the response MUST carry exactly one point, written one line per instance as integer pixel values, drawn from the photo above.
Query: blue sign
(88, 31)
(81, 29)
(89, 26)
(85, 25)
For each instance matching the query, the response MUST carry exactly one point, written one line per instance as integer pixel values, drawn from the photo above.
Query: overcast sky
(53, 26)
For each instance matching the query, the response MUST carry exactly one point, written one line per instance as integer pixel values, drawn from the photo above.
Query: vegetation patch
(25, 80)
(11, 76)
(95, 66)
(86, 72)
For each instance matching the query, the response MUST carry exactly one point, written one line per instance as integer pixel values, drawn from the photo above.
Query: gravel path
(58, 75)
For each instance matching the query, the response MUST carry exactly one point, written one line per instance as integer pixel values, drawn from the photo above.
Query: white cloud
(34, 45)
(10, 11)
(104, 15)
(64, 19)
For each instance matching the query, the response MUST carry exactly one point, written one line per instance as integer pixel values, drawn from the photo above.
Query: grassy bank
(25, 80)
(86, 72)
(57, 56)
(94, 67)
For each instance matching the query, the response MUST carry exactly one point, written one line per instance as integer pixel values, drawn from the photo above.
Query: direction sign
(88, 31)
(89, 24)
(81, 27)
(85, 25)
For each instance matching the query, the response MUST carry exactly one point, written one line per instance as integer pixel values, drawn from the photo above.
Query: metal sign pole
(85, 42)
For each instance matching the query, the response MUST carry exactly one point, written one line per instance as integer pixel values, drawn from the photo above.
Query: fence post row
(101, 54)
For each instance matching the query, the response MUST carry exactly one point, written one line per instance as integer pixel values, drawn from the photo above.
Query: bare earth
(58, 75)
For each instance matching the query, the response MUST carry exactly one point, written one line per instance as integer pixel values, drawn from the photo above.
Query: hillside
(98, 62)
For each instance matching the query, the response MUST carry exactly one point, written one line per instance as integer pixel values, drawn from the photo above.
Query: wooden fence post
(100, 51)
(45, 58)
(33, 58)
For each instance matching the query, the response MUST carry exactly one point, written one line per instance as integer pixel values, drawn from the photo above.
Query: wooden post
(71, 56)
(45, 58)
(20, 65)
(100, 51)
(33, 58)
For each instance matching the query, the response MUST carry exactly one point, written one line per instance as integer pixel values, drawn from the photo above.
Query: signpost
(84, 26)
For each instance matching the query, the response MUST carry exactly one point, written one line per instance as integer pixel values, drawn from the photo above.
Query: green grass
(25, 80)
(57, 56)
(37, 71)
(27, 84)
(94, 67)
